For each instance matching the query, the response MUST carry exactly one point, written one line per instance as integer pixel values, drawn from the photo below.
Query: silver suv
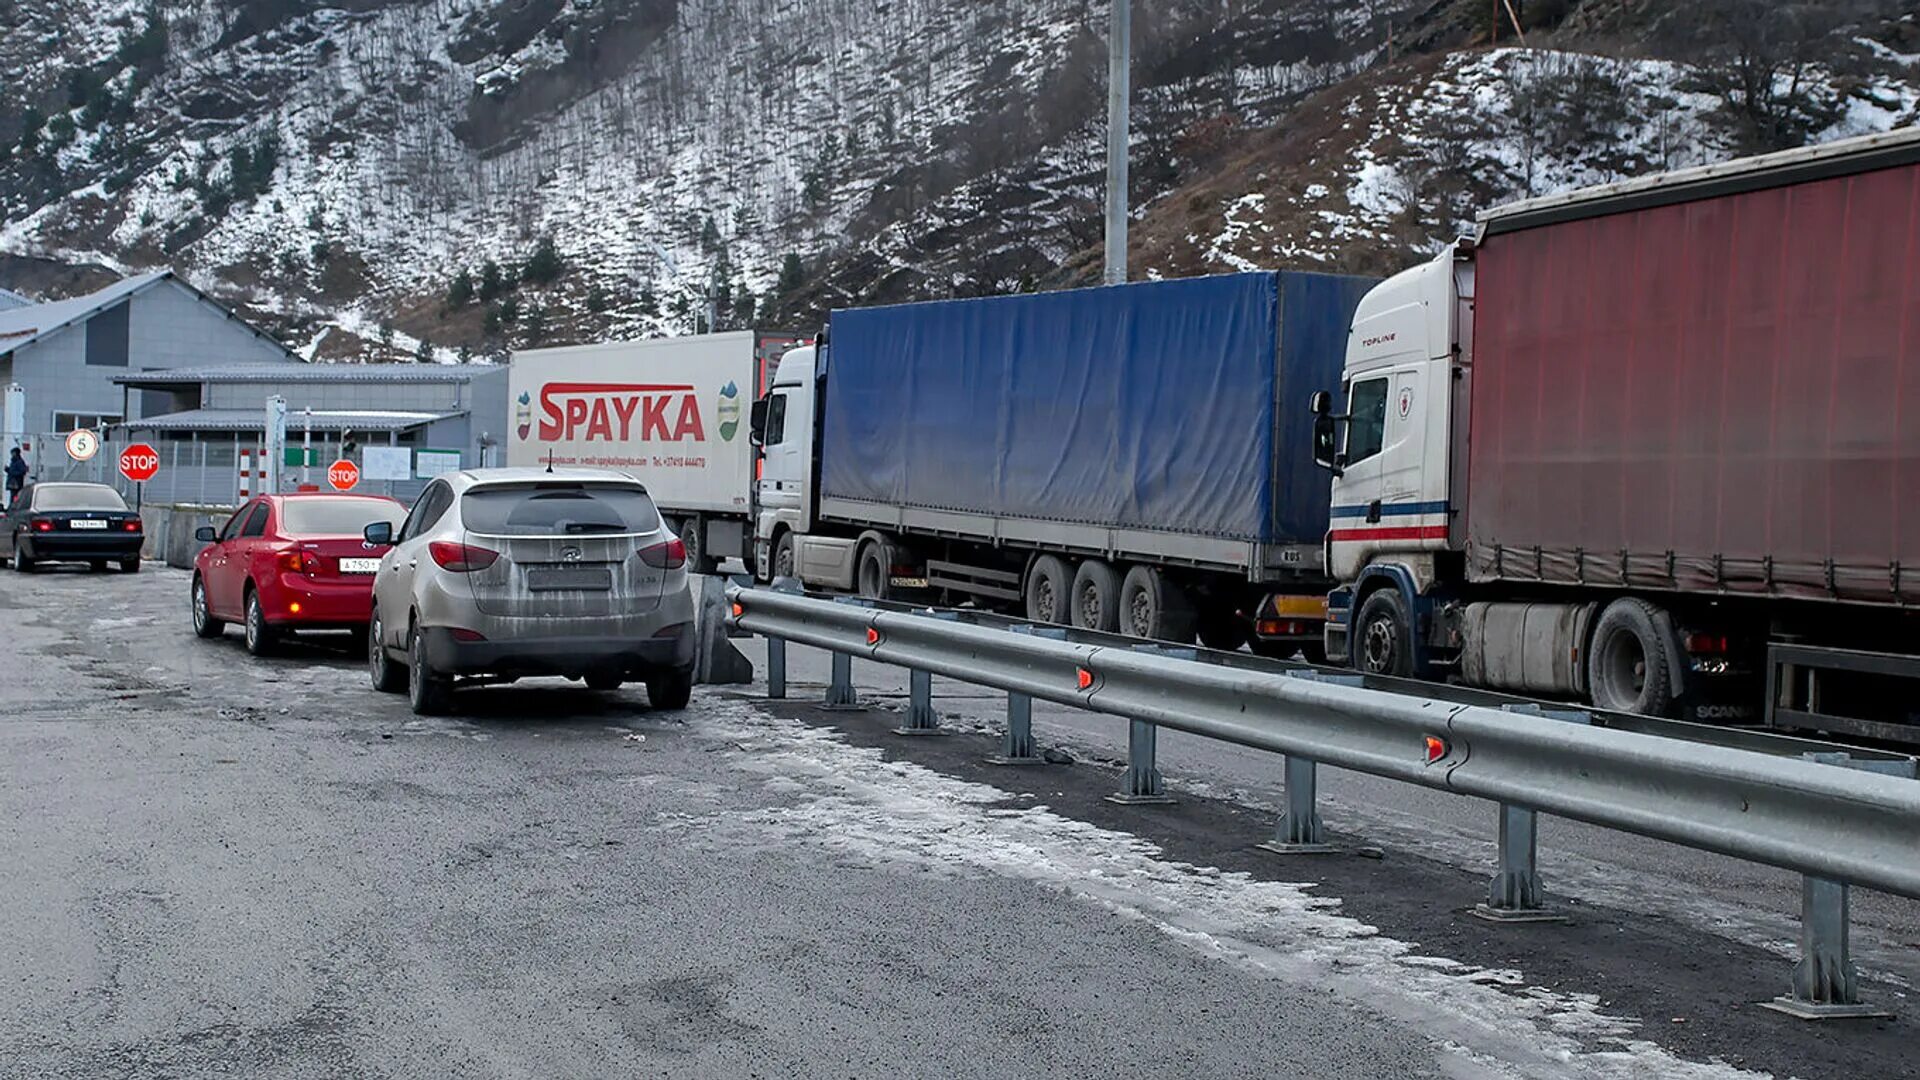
(502, 573)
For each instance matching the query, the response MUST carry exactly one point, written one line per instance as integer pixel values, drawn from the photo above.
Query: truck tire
(1223, 630)
(1631, 662)
(688, 530)
(1155, 608)
(1049, 585)
(1096, 597)
(783, 557)
(1383, 635)
(873, 571)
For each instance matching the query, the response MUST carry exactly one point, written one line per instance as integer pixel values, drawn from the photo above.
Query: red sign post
(343, 474)
(139, 463)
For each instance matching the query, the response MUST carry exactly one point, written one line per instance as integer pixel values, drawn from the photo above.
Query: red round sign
(343, 474)
(139, 462)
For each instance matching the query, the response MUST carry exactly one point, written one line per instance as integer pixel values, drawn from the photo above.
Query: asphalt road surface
(224, 866)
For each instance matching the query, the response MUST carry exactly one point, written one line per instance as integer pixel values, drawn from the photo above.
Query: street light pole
(1119, 55)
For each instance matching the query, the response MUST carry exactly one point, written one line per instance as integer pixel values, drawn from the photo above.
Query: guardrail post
(1017, 747)
(1143, 779)
(1300, 831)
(776, 667)
(1825, 985)
(921, 717)
(1515, 894)
(840, 693)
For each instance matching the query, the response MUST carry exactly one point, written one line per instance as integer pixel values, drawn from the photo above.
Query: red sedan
(290, 562)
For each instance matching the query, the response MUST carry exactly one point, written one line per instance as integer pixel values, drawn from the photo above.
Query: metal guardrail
(1835, 825)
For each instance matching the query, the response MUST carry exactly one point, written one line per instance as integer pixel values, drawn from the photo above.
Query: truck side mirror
(757, 422)
(1321, 403)
(1325, 433)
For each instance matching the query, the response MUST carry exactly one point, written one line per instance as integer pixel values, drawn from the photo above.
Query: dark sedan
(87, 523)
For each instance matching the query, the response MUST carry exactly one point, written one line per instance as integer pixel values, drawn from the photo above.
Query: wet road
(221, 865)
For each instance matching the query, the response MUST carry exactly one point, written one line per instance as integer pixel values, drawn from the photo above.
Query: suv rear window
(558, 510)
(332, 515)
(77, 497)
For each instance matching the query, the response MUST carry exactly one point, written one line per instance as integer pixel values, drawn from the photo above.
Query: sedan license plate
(569, 579)
(359, 566)
(86, 523)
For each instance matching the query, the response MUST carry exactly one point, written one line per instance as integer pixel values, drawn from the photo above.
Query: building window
(107, 337)
(64, 422)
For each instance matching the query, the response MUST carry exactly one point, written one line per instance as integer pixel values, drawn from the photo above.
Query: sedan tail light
(461, 558)
(671, 555)
(42, 525)
(132, 525)
(295, 562)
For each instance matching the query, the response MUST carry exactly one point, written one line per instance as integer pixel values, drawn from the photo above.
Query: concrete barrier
(170, 528)
(715, 660)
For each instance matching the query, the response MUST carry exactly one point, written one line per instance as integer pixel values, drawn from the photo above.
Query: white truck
(669, 412)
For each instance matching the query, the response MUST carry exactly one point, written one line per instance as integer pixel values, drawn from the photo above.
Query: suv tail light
(670, 555)
(461, 558)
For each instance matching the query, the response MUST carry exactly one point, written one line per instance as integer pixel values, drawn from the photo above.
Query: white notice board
(430, 463)
(386, 463)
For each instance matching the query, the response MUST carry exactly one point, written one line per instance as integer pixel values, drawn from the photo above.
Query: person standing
(16, 476)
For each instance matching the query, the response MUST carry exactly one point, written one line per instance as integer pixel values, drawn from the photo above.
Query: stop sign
(139, 462)
(343, 474)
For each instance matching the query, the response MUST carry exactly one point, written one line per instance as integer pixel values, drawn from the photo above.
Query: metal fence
(1832, 817)
(194, 472)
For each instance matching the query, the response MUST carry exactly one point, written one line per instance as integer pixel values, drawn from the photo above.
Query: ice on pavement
(852, 800)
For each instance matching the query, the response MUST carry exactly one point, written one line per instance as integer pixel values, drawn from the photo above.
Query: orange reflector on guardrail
(739, 609)
(1083, 678)
(1436, 748)
(873, 636)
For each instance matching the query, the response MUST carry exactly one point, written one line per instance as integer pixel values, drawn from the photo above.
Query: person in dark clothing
(16, 475)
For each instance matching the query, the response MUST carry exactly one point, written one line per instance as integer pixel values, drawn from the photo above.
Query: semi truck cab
(1389, 449)
(783, 424)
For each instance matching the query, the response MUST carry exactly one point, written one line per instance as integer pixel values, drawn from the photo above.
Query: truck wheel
(1096, 597)
(1048, 586)
(1383, 635)
(874, 568)
(1631, 662)
(1223, 630)
(1153, 607)
(783, 557)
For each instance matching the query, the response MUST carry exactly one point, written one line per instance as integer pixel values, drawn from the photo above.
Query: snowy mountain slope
(334, 166)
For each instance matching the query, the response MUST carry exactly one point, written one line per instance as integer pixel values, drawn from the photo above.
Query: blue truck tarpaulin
(1177, 406)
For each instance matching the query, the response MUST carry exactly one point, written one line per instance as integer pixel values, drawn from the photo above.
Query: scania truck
(1654, 446)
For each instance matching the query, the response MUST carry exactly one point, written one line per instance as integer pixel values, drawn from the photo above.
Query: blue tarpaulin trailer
(1161, 422)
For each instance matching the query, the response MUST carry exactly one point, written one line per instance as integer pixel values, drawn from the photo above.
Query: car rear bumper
(346, 601)
(55, 547)
(565, 656)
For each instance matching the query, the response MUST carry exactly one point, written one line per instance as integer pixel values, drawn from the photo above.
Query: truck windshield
(77, 497)
(558, 510)
(336, 515)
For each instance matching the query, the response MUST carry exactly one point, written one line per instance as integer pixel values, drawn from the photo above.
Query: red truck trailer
(1655, 445)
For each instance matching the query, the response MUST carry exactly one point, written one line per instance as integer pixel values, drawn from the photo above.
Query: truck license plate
(86, 523)
(359, 566)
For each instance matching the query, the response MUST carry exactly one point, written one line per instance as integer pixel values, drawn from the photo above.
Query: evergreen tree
(709, 235)
(535, 324)
(744, 303)
(491, 282)
(544, 265)
(460, 291)
(649, 303)
(596, 299)
(31, 121)
(423, 354)
(490, 325)
(510, 310)
(792, 275)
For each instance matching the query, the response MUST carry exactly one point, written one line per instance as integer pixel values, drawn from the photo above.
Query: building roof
(329, 420)
(310, 373)
(10, 299)
(22, 326)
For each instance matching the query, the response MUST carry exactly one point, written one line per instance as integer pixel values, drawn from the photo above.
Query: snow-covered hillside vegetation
(453, 177)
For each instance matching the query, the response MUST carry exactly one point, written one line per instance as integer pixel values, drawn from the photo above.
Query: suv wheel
(429, 692)
(387, 676)
(204, 624)
(671, 691)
